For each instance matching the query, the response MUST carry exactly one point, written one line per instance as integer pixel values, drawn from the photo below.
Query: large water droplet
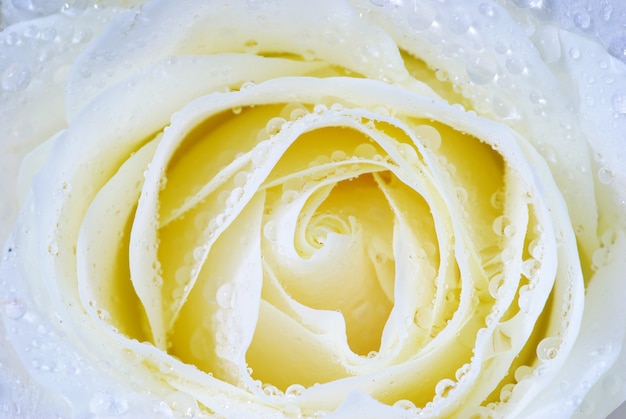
(548, 348)
(482, 70)
(421, 17)
(182, 404)
(15, 309)
(443, 387)
(225, 296)
(617, 47)
(16, 77)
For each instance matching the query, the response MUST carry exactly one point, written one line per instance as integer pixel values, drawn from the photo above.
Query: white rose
(300, 209)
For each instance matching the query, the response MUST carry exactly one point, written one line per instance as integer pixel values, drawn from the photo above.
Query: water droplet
(294, 390)
(523, 372)
(582, 19)
(486, 9)
(271, 390)
(525, 300)
(605, 176)
(495, 284)
(224, 296)
(423, 318)
(366, 151)
(274, 125)
(506, 392)
(16, 77)
(548, 348)
(460, 23)
(74, 7)
(462, 372)
(320, 108)
(53, 248)
(504, 109)
(292, 411)
(104, 403)
(529, 4)
(574, 53)
(617, 47)
(247, 85)
(601, 257)
(269, 230)
(15, 309)
(404, 404)
(530, 267)
(443, 387)
(619, 103)
(482, 70)
(429, 136)
(182, 404)
(421, 17)
(499, 225)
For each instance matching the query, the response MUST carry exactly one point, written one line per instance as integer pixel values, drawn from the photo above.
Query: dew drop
(619, 103)
(16, 77)
(574, 53)
(601, 257)
(506, 392)
(482, 70)
(495, 284)
(421, 17)
(617, 47)
(292, 411)
(320, 108)
(105, 404)
(269, 230)
(338, 155)
(548, 348)
(404, 405)
(429, 136)
(408, 152)
(525, 300)
(15, 309)
(460, 23)
(241, 178)
(530, 267)
(443, 387)
(247, 85)
(271, 390)
(605, 176)
(462, 372)
(274, 125)
(366, 151)
(294, 390)
(529, 4)
(582, 19)
(224, 296)
(500, 224)
(182, 404)
(523, 372)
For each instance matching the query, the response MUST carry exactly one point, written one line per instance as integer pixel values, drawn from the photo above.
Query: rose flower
(311, 208)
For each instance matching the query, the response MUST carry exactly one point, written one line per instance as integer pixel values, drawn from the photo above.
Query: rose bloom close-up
(313, 208)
